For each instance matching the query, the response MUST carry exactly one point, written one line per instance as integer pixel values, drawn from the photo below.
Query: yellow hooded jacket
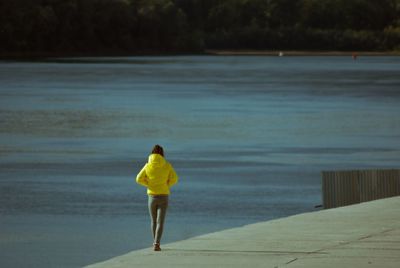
(157, 175)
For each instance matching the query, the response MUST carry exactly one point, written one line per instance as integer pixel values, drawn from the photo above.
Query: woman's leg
(153, 214)
(161, 212)
(157, 209)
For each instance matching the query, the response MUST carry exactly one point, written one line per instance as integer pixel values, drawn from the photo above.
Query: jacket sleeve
(172, 177)
(141, 178)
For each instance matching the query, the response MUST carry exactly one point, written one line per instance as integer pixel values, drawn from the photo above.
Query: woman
(158, 176)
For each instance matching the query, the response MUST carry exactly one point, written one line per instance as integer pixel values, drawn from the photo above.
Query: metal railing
(342, 188)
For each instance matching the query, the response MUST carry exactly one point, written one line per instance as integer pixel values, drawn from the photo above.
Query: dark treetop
(106, 27)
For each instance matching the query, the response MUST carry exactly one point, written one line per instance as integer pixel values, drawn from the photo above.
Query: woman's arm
(141, 178)
(172, 177)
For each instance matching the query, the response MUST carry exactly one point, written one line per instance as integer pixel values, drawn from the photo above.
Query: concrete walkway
(363, 235)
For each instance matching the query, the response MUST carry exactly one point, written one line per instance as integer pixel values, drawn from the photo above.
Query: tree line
(190, 26)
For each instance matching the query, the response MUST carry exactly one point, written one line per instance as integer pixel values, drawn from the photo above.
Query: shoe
(156, 247)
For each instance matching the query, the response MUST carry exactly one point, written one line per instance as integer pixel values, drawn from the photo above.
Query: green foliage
(392, 37)
(154, 26)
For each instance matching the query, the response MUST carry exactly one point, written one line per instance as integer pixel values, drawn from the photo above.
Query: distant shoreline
(206, 52)
(298, 53)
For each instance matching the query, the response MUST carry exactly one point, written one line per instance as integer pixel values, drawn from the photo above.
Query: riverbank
(298, 53)
(361, 235)
(207, 52)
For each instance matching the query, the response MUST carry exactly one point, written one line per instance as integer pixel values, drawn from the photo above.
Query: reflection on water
(247, 135)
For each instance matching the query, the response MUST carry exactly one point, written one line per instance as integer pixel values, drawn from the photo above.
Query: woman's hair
(157, 149)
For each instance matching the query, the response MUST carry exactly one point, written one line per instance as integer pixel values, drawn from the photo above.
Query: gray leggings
(158, 205)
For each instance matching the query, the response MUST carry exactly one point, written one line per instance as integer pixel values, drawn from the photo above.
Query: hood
(156, 160)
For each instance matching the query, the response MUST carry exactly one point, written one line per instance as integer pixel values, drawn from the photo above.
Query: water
(248, 137)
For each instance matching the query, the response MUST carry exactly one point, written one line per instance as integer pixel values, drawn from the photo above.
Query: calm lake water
(248, 137)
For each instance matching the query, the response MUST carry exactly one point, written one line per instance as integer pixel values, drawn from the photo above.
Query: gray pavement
(362, 235)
